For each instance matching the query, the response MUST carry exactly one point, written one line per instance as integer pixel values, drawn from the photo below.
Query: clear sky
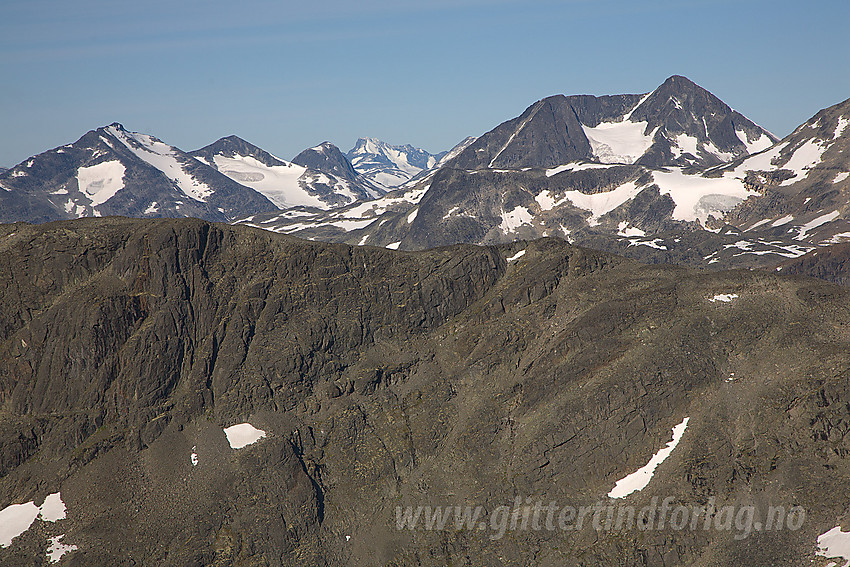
(287, 75)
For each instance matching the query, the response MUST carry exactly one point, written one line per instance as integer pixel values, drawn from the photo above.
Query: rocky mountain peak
(232, 145)
(327, 158)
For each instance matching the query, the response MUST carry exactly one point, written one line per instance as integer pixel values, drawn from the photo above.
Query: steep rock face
(455, 376)
(547, 134)
(698, 129)
(830, 263)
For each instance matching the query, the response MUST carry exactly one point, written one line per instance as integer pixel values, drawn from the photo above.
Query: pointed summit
(233, 145)
(327, 158)
(677, 124)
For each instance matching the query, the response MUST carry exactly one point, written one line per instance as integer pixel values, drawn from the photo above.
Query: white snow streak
(640, 479)
(811, 225)
(514, 135)
(163, 157)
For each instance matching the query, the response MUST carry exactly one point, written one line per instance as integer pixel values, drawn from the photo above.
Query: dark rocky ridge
(235, 146)
(830, 263)
(450, 376)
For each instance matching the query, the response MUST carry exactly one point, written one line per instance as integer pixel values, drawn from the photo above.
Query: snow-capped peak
(389, 166)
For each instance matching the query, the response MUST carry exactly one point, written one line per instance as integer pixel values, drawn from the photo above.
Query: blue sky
(288, 75)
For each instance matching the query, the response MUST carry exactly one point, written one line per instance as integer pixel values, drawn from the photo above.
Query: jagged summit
(677, 124)
(388, 166)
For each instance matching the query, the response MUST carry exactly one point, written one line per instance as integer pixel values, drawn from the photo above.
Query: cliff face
(456, 376)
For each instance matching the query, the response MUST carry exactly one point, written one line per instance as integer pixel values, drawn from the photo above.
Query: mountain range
(670, 176)
(112, 171)
(185, 391)
(389, 166)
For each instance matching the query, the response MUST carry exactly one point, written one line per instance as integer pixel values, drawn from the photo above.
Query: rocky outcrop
(456, 376)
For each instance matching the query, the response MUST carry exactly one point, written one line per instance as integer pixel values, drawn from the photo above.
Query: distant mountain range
(389, 166)
(674, 175)
(112, 171)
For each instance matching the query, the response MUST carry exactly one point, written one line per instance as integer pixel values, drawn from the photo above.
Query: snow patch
(193, 458)
(514, 219)
(600, 204)
(545, 200)
(841, 177)
(640, 479)
(619, 142)
(837, 238)
(835, 544)
(53, 508)
(242, 435)
(17, 518)
(102, 181)
(684, 144)
(813, 224)
(715, 151)
(412, 216)
(624, 230)
(699, 197)
(57, 549)
(724, 297)
(393, 245)
(804, 158)
(754, 146)
(516, 256)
